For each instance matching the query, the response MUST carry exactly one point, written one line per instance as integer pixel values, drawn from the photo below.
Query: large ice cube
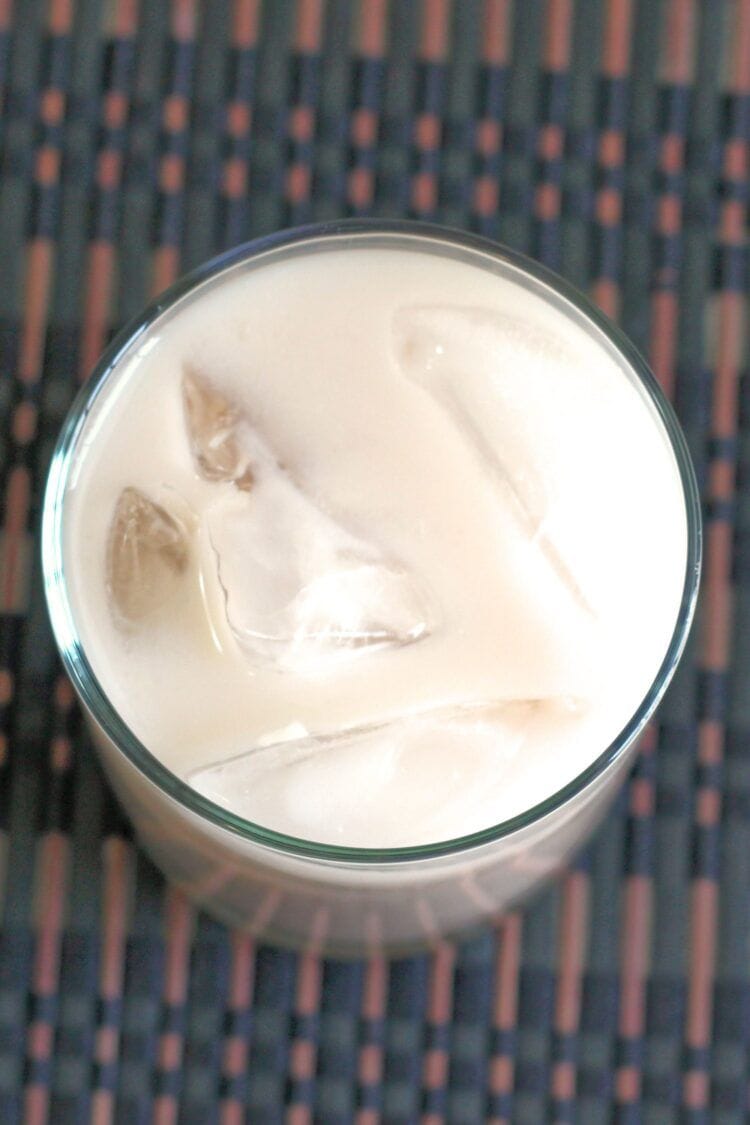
(147, 549)
(424, 775)
(490, 373)
(300, 588)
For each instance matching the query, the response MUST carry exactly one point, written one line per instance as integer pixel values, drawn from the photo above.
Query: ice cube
(300, 589)
(213, 424)
(379, 784)
(147, 548)
(460, 357)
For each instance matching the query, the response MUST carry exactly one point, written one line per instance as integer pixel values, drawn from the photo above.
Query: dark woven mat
(610, 138)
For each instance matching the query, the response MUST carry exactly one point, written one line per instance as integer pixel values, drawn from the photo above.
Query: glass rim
(71, 647)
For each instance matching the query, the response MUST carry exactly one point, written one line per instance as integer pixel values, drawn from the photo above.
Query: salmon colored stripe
(170, 1050)
(721, 480)
(678, 43)
(669, 215)
(242, 981)
(711, 746)
(120, 20)
(486, 195)
(563, 1083)
(97, 305)
(370, 1064)
(61, 753)
(165, 1110)
(106, 1045)
(102, 1107)
(39, 263)
(183, 20)
(634, 956)
(424, 192)
(245, 22)
(434, 1072)
(717, 614)
(507, 966)
(308, 27)
(663, 344)
(302, 1060)
(628, 1084)
(6, 12)
(178, 926)
(672, 156)
(6, 687)
(547, 202)
(573, 932)
(703, 922)
(606, 295)
(502, 1070)
(741, 59)
(496, 31)
(616, 41)
(60, 16)
(440, 996)
(117, 886)
(232, 1113)
(36, 1105)
(299, 1115)
(732, 226)
(126, 24)
(309, 979)
(736, 159)
(17, 502)
(433, 39)
(373, 25)
(559, 28)
(642, 797)
(370, 1061)
(375, 988)
(731, 331)
(50, 890)
(24, 423)
(235, 1056)
(696, 1088)
(707, 807)
(166, 268)
(39, 1040)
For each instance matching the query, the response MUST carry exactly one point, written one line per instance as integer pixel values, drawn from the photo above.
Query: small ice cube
(147, 549)
(212, 423)
(383, 783)
(301, 589)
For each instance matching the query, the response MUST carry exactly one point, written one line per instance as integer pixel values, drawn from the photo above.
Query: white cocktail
(370, 554)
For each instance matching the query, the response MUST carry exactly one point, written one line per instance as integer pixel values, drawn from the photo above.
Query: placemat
(610, 139)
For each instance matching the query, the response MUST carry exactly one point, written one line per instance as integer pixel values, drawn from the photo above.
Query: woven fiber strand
(611, 140)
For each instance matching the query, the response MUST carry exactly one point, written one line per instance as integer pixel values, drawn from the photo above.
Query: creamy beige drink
(374, 546)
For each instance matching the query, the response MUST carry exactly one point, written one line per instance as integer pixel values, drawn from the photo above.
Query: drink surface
(375, 547)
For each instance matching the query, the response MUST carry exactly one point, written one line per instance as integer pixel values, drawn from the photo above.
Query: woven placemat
(609, 138)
